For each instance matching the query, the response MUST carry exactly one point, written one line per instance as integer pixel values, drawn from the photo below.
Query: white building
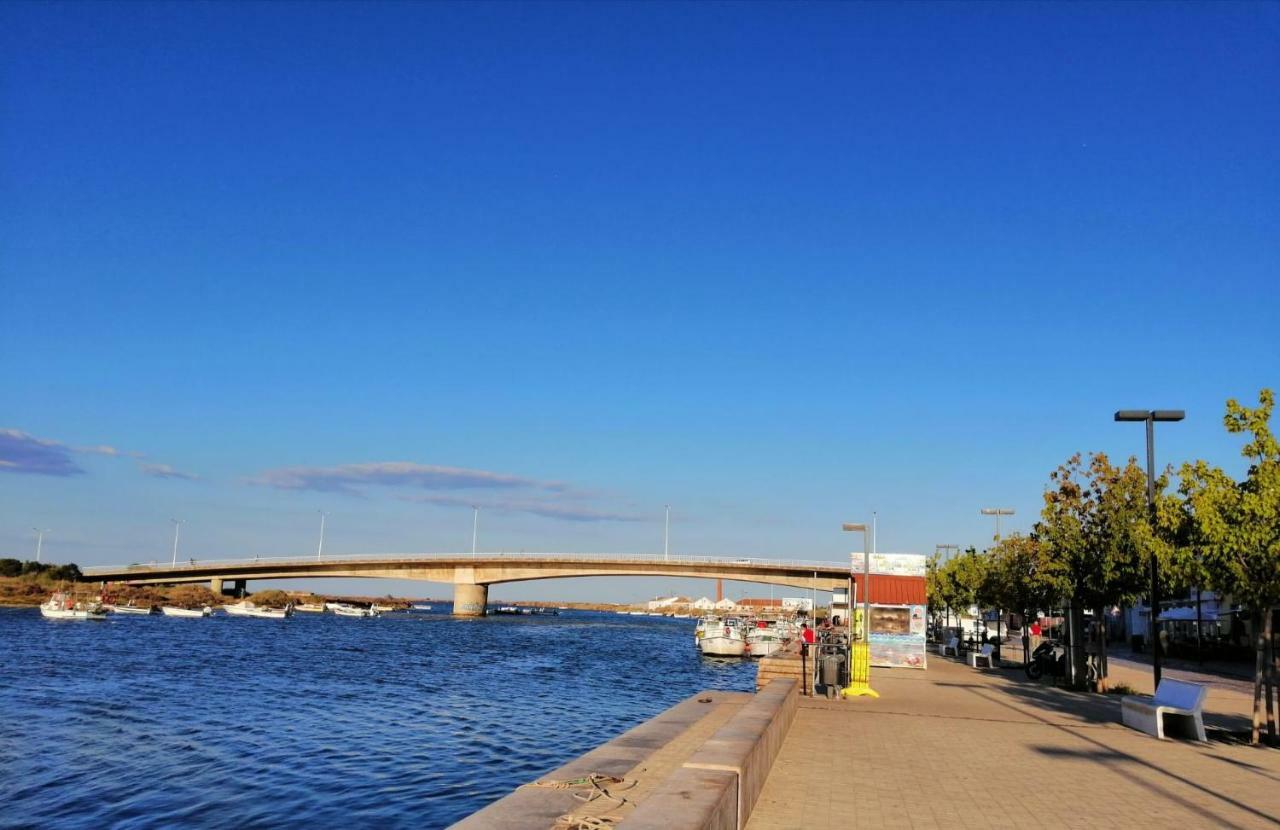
(667, 602)
(703, 604)
(725, 604)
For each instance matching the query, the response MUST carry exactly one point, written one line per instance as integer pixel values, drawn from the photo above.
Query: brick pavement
(956, 747)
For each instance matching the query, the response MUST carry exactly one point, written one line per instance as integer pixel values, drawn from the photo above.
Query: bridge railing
(647, 558)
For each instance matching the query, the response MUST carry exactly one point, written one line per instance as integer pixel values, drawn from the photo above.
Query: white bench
(1181, 701)
(951, 646)
(985, 655)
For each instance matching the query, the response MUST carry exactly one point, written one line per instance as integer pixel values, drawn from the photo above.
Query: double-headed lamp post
(866, 574)
(997, 512)
(1150, 416)
(39, 540)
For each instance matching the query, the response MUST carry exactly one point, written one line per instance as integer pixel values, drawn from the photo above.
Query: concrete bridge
(472, 574)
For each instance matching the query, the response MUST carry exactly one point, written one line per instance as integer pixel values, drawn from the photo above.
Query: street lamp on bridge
(177, 523)
(320, 547)
(1150, 416)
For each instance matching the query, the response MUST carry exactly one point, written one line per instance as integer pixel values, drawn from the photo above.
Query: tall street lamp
(320, 547)
(997, 512)
(39, 540)
(866, 574)
(1150, 416)
(666, 536)
(176, 525)
(939, 550)
(475, 527)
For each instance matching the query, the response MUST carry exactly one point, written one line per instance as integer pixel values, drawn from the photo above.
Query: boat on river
(246, 608)
(724, 640)
(130, 608)
(419, 606)
(175, 611)
(310, 607)
(344, 610)
(765, 640)
(63, 606)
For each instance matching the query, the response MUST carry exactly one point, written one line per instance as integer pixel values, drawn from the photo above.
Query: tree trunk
(1102, 650)
(1026, 640)
(1260, 648)
(1269, 616)
(1075, 647)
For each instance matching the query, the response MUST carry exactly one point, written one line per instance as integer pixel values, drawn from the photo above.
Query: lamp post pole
(866, 575)
(666, 536)
(938, 550)
(176, 525)
(1149, 417)
(320, 547)
(997, 512)
(475, 527)
(39, 540)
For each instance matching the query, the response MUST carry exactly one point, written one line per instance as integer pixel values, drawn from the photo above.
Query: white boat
(343, 610)
(140, 610)
(175, 611)
(310, 607)
(63, 606)
(704, 624)
(761, 642)
(418, 606)
(246, 608)
(383, 609)
(724, 640)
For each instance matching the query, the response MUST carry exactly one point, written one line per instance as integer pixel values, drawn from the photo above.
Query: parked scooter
(1048, 658)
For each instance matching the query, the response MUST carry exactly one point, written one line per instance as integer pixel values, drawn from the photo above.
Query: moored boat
(130, 608)
(310, 607)
(419, 606)
(246, 608)
(175, 611)
(344, 610)
(63, 606)
(723, 640)
(764, 641)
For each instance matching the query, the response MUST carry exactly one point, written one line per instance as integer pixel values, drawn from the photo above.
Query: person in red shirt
(806, 634)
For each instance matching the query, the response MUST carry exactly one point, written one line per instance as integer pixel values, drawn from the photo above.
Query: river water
(411, 720)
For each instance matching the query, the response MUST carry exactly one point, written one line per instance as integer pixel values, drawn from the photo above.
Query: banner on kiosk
(891, 564)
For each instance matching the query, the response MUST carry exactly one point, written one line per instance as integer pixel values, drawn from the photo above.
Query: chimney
(719, 589)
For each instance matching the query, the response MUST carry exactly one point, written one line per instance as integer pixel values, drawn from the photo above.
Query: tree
(1022, 576)
(1237, 525)
(1096, 524)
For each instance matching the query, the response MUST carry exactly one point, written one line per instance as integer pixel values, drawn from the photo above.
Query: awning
(891, 590)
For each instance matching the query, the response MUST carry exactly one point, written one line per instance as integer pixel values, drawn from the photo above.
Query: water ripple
(408, 720)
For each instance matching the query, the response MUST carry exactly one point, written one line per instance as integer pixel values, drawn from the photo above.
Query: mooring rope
(588, 789)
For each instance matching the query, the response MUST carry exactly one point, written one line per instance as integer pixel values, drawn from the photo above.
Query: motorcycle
(1048, 658)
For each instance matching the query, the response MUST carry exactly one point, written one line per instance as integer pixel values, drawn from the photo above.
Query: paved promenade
(955, 747)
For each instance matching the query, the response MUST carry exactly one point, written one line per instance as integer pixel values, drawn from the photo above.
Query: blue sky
(776, 265)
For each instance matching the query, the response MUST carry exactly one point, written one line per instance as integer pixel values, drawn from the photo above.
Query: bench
(1176, 699)
(951, 646)
(985, 656)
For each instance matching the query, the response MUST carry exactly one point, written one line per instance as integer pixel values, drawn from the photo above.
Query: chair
(951, 646)
(1176, 699)
(985, 655)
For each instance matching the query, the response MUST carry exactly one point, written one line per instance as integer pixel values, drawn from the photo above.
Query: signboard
(794, 604)
(898, 635)
(892, 564)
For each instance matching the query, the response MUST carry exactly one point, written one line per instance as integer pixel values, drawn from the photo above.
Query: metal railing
(824, 567)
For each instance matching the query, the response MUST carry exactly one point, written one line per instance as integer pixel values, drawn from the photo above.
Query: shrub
(10, 567)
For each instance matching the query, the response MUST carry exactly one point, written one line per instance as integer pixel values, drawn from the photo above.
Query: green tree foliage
(1022, 576)
(10, 567)
(1236, 527)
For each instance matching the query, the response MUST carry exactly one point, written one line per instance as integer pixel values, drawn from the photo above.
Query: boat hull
(55, 614)
(170, 611)
(131, 609)
(718, 646)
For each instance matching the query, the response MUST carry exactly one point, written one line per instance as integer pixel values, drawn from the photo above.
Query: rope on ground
(588, 789)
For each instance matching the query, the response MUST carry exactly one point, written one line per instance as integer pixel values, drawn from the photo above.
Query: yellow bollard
(859, 673)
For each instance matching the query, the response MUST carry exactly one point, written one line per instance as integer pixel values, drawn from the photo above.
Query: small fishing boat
(704, 625)
(418, 606)
(246, 608)
(310, 607)
(175, 611)
(763, 641)
(130, 608)
(724, 640)
(344, 610)
(378, 608)
(63, 606)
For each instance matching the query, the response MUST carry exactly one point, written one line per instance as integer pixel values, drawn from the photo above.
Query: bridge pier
(470, 600)
(215, 585)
